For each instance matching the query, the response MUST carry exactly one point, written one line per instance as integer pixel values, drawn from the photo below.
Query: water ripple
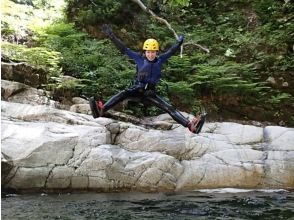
(126, 206)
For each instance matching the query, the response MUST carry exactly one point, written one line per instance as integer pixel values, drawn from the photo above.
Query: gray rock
(285, 84)
(21, 93)
(79, 100)
(271, 80)
(58, 150)
(81, 108)
(6, 167)
(23, 73)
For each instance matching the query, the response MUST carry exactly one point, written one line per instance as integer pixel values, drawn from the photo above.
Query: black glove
(106, 29)
(181, 39)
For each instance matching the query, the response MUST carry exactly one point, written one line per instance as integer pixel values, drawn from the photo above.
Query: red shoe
(96, 107)
(197, 123)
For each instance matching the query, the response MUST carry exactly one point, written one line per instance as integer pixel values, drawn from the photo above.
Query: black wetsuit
(147, 76)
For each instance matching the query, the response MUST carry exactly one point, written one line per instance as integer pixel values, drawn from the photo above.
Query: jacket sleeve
(123, 49)
(118, 43)
(170, 52)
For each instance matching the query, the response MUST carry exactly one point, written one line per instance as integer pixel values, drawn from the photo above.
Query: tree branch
(197, 45)
(93, 3)
(162, 20)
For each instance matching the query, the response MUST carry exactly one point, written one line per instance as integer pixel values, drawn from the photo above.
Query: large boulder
(23, 73)
(51, 149)
(21, 93)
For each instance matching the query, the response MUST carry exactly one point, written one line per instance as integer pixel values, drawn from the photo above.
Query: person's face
(151, 54)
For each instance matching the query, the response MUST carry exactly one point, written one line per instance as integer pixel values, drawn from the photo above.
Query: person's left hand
(106, 29)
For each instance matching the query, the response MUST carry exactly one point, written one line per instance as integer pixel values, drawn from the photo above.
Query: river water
(203, 204)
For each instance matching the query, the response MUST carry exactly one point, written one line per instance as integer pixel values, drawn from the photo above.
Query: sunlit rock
(53, 149)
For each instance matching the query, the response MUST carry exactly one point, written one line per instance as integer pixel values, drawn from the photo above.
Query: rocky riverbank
(48, 148)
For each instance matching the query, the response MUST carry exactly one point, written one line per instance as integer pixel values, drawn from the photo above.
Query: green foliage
(178, 68)
(229, 78)
(96, 11)
(97, 64)
(6, 28)
(248, 42)
(182, 90)
(20, 18)
(279, 98)
(176, 3)
(40, 57)
(64, 87)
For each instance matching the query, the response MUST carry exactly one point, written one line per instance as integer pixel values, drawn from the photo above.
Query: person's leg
(194, 126)
(171, 110)
(98, 108)
(114, 100)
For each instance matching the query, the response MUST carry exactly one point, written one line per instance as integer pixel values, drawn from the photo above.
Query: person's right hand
(106, 29)
(181, 39)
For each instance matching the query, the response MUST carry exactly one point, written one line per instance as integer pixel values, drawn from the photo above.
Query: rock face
(46, 148)
(21, 72)
(49, 149)
(21, 93)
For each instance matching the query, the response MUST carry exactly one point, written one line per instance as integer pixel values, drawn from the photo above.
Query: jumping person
(147, 76)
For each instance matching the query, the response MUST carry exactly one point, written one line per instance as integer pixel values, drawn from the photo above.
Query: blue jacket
(147, 71)
(150, 71)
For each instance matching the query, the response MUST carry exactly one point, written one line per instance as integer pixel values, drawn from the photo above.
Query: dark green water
(211, 204)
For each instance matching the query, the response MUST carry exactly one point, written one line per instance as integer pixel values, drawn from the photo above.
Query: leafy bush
(96, 11)
(97, 64)
(249, 41)
(40, 57)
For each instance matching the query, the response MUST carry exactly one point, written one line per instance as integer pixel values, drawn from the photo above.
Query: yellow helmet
(151, 44)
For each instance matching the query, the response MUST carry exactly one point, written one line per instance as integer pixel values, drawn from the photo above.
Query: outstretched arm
(106, 29)
(173, 49)
(118, 43)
